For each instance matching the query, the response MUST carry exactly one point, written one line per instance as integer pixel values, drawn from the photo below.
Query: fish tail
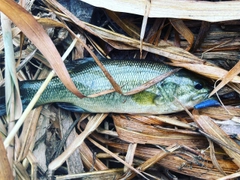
(2, 101)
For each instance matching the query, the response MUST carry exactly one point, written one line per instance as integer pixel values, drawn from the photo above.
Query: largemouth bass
(162, 98)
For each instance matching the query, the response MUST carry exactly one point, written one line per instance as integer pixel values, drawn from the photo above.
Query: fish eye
(198, 86)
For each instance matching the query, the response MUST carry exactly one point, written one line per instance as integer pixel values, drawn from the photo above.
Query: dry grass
(48, 142)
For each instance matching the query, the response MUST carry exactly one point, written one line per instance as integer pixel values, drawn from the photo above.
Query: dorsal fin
(71, 66)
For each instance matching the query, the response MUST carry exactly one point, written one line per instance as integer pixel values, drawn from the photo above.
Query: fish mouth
(201, 96)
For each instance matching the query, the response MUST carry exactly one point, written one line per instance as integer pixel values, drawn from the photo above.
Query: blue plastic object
(207, 103)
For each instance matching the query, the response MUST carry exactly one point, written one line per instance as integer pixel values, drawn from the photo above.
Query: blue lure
(207, 103)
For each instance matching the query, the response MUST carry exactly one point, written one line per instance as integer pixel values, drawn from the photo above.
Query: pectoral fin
(71, 107)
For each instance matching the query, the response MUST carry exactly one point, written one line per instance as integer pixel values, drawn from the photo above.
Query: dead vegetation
(49, 142)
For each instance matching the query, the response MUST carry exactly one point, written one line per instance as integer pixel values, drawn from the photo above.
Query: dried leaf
(151, 82)
(163, 48)
(217, 133)
(137, 132)
(101, 93)
(6, 172)
(144, 24)
(213, 157)
(116, 157)
(21, 170)
(228, 112)
(48, 22)
(172, 121)
(15, 32)
(231, 176)
(194, 164)
(79, 22)
(130, 155)
(121, 23)
(230, 76)
(198, 10)
(91, 126)
(184, 31)
(144, 119)
(74, 162)
(38, 36)
(28, 133)
(12, 93)
(205, 26)
(212, 72)
(157, 157)
(89, 159)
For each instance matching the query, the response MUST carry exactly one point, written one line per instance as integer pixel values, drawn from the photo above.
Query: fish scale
(129, 74)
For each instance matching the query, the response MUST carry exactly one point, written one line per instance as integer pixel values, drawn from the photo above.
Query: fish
(172, 94)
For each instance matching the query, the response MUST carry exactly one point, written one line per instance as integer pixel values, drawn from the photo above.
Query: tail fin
(2, 101)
